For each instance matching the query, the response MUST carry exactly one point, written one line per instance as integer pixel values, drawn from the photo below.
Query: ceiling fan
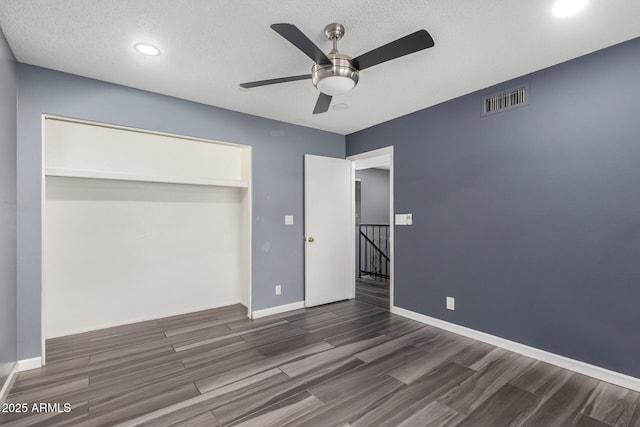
(336, 73)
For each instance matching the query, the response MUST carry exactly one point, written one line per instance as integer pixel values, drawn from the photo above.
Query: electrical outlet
(278, 289)
(451, 303)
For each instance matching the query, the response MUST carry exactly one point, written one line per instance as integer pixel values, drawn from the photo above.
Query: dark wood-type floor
(343, 364)
(372, 292)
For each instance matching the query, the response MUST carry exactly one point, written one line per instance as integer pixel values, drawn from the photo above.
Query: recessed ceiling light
(147, 49)
(340, 107)
(568, 7)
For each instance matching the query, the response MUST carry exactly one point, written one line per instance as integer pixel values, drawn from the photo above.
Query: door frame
(367, 155)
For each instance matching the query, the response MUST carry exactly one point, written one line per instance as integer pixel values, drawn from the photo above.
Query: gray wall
(530, 217)
(278, 150)
(374, 196)
(8, 328)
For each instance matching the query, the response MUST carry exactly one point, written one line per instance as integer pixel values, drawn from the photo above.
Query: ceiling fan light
(335, 79)
(336, 85)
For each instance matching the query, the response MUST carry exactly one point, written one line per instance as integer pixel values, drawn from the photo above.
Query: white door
(328, 230)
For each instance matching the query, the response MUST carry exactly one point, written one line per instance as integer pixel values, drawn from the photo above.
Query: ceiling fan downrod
(334, 32)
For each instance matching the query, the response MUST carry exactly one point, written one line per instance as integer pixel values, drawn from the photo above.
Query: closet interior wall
(140, 225)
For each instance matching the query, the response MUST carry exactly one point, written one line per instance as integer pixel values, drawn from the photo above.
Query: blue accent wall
(8, 280)
(278, 150)
(530, 218)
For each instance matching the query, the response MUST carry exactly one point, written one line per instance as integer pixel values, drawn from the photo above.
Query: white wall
(87, 148)
(118, 252)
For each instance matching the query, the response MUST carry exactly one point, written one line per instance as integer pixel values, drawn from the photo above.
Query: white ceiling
(209, 47)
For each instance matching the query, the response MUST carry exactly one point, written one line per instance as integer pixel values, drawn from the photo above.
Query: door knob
(310, 239)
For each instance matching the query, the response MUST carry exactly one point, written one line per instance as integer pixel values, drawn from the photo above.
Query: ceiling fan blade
(322, 104)
(302, 42)
(414, 42)
(275, 81)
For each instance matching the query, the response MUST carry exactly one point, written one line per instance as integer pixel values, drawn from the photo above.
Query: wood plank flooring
(343, 364)
(372, 292)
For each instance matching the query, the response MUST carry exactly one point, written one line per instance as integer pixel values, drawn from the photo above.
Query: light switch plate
(288, 219)
(404, 219)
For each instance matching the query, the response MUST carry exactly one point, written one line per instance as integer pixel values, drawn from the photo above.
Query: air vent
(506, 100)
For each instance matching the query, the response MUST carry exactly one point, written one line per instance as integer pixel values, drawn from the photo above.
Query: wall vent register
(506, 100)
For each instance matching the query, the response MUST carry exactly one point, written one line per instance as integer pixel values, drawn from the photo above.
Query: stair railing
(374, 251)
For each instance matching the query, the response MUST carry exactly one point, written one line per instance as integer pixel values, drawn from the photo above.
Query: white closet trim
(125, 176)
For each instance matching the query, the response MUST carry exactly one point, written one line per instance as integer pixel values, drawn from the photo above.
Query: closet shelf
(124, 176)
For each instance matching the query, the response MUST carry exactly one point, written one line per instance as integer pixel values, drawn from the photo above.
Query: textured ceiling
(209, 47)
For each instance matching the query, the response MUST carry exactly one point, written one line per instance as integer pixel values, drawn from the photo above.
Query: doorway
(373, 174)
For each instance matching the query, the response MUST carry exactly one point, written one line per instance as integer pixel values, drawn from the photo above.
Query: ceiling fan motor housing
(335, 79)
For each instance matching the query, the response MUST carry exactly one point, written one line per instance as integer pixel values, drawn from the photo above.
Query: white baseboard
(27, 364)
(138, 319)
(19, 366)
(278, 309)
(4, 391)
(597, 372)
